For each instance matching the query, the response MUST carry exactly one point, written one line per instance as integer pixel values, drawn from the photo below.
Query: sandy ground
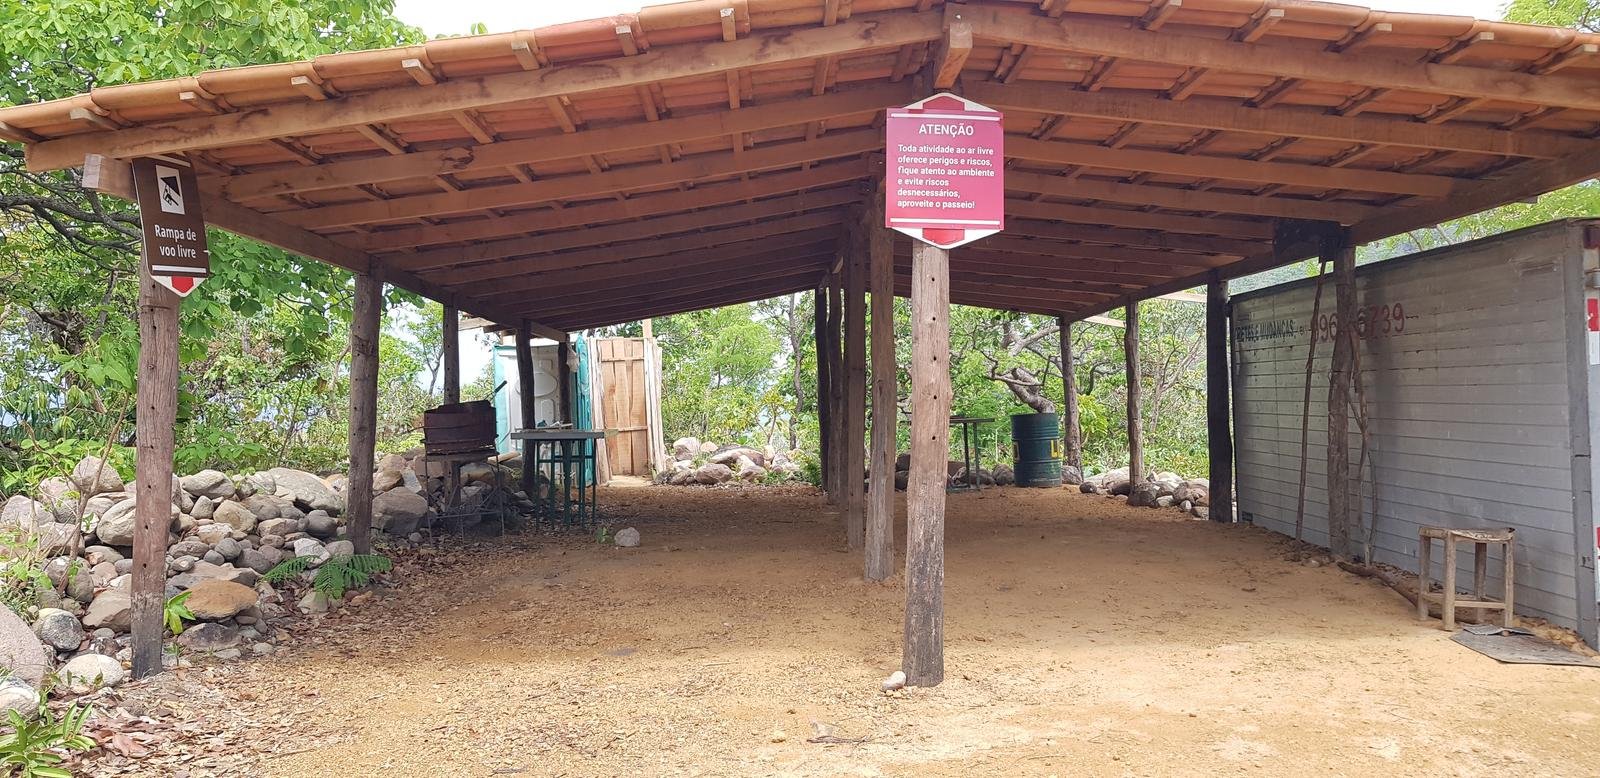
(1083, 638)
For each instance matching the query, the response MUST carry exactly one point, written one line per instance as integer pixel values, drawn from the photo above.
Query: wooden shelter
(717, 151)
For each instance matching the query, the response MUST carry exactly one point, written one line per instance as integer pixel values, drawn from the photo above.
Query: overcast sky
(438, 17)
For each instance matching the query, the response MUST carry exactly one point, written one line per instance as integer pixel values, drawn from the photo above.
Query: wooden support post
(1130, 354)
(564, 386)
(450, 355)
(363, 409)
(923, 660)
(1340, 379)
(836, 381)
(1219, 434)
(1071, 424)
(885, 382)
(156, 413)
(854, 463)
(524, 352)
(819, 316)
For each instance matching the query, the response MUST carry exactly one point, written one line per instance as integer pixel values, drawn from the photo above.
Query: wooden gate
(629, 378)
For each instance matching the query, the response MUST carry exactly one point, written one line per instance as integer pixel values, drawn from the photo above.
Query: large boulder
(21, 653)
(209, 483)
(270, 506)
(110, 609)
(1145, 494)
(1194, 490)
(209, 637)
(1071, 475)
(92, 671)
(235, 515)
(215, 599)
(1004, 475)
(305, 490)
(685, 449)
(17, 695)
(58, 629)
(711, 473)
(749, 471)
(93, 476)
(398, 512)
(730, 456)
(61, 497)
(117, 526)
(24, 513)
(313, 548)
(54, 538)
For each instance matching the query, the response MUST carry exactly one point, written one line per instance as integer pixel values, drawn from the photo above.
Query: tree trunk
(363, 409)
(450, 355)
(1071, 424)
(156, 413)
(1219, 435)
(1339, 380)
(855, 392)
(1130, 351)
(879, 561)
(820, 315)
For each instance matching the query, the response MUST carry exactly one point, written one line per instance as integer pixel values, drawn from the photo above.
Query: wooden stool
(1480, 538)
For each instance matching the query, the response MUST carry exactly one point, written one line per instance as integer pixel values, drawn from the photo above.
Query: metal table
(969, 449)
(563, 451)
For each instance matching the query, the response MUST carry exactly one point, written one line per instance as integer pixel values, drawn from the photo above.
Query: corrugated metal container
(1481, 364)
(1036, 441)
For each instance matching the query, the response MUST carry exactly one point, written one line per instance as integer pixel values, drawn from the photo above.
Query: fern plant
(175, 612)
(34, 749)
(336, 576)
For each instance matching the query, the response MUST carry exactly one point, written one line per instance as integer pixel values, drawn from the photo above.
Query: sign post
(945, 187)
(175, 252)
(945, 163)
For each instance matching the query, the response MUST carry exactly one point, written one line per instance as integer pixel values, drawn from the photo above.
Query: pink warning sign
(945, 170)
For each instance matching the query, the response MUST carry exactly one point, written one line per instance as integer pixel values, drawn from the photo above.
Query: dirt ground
(1082, 638)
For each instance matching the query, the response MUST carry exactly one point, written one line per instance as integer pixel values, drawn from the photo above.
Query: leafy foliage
(22, 574)
(336, 576)
(35, 748)
(175, 612)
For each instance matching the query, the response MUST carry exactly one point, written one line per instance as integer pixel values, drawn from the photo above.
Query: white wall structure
(1481, 364)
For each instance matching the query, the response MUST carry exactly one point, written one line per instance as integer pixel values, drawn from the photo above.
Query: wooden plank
(855, 388)
(1227, 228)
(638, 207)
(602, 140)
(713, 294)
(838, 377)
(102, 174)
(450, 355)
(1219, 433)
(1340, 382)
(951, 54)
(1130, 353)
(819, 335)
(703, 166)
(1363, 68)
(1051, 248)
(1115, 236)
(155, 416)
(868, 33)
(363, 430)
(923, 658)
(820, 221)
(879, 556)
(1189, 199)
(1071, 422)
(622, 233)
(1286, 121)
(1226, 168)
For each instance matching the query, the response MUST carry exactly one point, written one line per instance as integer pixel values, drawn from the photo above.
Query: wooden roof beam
(703, 166)
(638, 207)
(952, 53)
(467, 159)
(601, 311)
(1286, 121)
(1116, 236)
(1188, 200)
(1228, 168)
(521, 269)
(654, 277)
(1111, 39)
(116, 177)
(1240, 229)
(885, 31)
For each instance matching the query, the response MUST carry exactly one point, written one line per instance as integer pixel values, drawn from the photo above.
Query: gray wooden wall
(1466, 364)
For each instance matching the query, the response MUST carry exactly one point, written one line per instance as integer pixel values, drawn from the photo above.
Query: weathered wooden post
(564, 382)
(923, 662)
(836, 382)
(855, 390)
(526, 407)
(156, 414)
(450, 354)
(1340, 379)
(1071, 424)
(1130, 351)
(885, 411)
(363, 409)
(1219, 435)
(819, 338)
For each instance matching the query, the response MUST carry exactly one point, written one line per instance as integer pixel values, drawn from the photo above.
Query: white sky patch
(455, 17)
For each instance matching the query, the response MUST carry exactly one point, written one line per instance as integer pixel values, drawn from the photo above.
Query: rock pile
(955, 474)
(706, 463)
(226, 531)
(1157, 490)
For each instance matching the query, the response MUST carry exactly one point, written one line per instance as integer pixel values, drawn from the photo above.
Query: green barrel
(1036, 438)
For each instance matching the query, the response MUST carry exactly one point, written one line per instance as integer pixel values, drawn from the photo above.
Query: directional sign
(945, 166)
(175, 249)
